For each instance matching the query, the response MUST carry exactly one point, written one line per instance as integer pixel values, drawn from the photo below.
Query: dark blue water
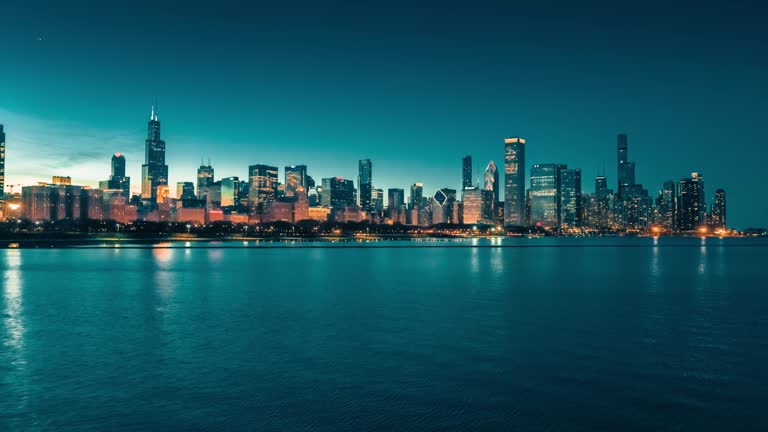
(600, 334)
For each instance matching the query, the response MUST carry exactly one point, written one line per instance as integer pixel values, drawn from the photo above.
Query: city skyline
(414, 91)
(553, 198)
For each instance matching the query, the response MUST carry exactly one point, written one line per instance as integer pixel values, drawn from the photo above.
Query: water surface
(546, 334)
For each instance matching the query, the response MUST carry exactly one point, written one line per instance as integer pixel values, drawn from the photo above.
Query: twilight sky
(413, 86)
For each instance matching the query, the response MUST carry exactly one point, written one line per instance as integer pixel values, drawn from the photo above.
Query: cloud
(37, 149)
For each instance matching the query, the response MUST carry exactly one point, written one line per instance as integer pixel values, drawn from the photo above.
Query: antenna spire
(155, 112)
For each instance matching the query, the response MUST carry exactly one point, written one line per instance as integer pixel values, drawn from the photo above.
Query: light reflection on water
(702, 270)
(13, 310)
(13, 343)
(154, 336)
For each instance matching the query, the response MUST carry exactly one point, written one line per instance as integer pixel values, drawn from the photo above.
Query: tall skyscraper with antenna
(626, 169)
(2, 167)
(204, 179)
(154, 172)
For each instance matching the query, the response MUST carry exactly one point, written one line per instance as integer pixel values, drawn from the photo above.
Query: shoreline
(360, 241)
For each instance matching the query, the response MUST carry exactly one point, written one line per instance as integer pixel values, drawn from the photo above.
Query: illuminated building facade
(545, 195)
(295, 177)
(690, 202)
(514, 181)
(472, 198)
(718, 210)
(230, 188)
(570, 198)
(491, 184)
(377, 199)
(262, 185)
(666, 206)
(204, 180)
(92, 204)
(36, 202)
(61, 180)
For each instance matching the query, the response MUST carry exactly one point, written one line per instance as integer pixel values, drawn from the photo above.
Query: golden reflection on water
(13, 308)
(12, 344)
(164, 284)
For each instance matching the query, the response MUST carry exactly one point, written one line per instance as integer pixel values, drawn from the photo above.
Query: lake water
(541, 334)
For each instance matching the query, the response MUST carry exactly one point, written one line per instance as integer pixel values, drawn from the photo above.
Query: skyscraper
(154, 172)
(204, 179)
(295, 177)
(545, 195)
(395, 198)
(2, 168)
(365, 184)
(690, 201)
(570, 198)
(118, 180)
(417, 195)
(472, 197)
(118, 165)
(491, 184)
(601, 186)
(626, 169)
(185, 191)
(514, 181)
(442, 206)
(466, 171)
(230, 187)
(337, 193)
(718, 210)
(262, 185)
(377, 199)
(667, 205)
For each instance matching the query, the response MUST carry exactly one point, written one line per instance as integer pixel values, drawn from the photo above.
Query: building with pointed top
(2, 168)
(204, 179)
(491, 184)
(154, 171)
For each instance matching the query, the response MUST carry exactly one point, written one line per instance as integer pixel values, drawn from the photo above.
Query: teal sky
(414, 86)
